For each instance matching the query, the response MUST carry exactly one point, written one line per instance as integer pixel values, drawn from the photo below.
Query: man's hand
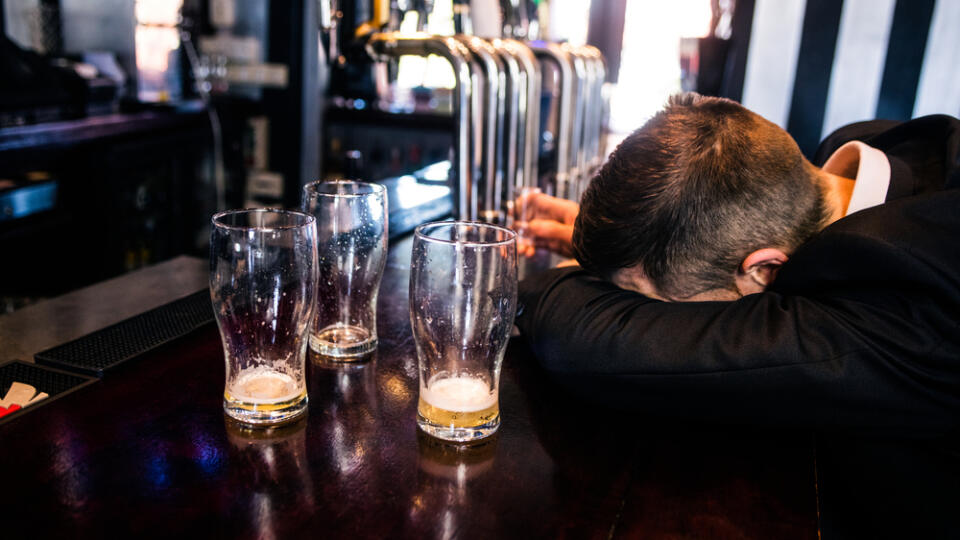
(545, 221)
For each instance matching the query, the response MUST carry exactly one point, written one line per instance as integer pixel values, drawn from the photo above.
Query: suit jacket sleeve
(765, 359)
(866, 340)
(860, 330)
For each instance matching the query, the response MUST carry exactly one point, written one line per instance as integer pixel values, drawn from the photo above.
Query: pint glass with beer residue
(463, 298)
(352, 253)
(263, 284)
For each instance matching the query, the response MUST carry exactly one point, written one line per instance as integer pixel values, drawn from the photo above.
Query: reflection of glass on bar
(257, 453)
(455, 463)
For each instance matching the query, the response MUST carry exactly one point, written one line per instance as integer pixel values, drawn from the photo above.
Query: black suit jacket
(858, 338)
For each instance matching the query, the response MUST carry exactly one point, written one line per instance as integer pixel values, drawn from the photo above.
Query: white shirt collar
(871, 169)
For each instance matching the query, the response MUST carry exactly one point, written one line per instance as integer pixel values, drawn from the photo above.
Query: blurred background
(125, 124)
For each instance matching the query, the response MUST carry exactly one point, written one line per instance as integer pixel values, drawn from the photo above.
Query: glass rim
(313, 188)
(419, 234)
(280, 211)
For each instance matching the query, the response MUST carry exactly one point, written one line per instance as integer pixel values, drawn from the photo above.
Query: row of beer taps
(527, 113)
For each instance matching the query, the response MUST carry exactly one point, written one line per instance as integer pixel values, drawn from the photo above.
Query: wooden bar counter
(147, 451)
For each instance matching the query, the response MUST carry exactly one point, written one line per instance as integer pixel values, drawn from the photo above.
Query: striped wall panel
(815, 65)
(939, 88)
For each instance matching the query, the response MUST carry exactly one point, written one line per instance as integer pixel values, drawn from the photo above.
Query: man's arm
(766, 359)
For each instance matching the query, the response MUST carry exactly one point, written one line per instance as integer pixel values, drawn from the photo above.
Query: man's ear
(759, 269)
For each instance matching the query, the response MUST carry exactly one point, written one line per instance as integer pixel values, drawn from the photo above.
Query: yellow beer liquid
(459, 402)
(264, 390)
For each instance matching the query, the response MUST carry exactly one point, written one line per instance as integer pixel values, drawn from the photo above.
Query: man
(839, 296)
(727, 278)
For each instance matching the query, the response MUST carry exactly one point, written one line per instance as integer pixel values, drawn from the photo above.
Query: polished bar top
(147, 451)
(40, 326)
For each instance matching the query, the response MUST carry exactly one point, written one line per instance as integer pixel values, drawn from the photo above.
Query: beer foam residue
(264, 385)
(459, 393)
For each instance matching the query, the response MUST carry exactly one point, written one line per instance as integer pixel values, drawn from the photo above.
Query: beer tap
(511, 145)
(423, 8)
(462, 22)
(383, 46)
(595, 118)
(515, 19)
(554, 53)
(577, 157)
(489, 129)
(329, 23)
(523, 115)
(530, 151)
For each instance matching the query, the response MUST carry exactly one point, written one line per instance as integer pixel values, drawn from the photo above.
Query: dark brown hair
(694, 191)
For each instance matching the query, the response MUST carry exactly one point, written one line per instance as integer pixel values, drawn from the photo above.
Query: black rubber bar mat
(103, 350)
(54, 382)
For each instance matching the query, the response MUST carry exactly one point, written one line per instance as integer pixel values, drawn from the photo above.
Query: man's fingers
(526, 247)
(553, 235)
(549, 229)
(536, 205)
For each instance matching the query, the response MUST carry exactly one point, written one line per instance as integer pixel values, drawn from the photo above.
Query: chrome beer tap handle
(552, 52)
(491, 127)
(386, 45)
(513, 139)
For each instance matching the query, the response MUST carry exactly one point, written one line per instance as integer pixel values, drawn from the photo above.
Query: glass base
(458, 434)
(343, 342)
(262, 414)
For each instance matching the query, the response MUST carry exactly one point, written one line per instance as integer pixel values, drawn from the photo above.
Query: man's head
(685, 202)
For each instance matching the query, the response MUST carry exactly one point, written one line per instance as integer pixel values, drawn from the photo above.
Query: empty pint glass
(263, 284)
(463, 298)
(352, 250)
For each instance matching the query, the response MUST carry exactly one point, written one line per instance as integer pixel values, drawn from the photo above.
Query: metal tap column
(577, 151)
(383, 46)
(516, 107)
(529, 155)
(555, 53)
(491, 179)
